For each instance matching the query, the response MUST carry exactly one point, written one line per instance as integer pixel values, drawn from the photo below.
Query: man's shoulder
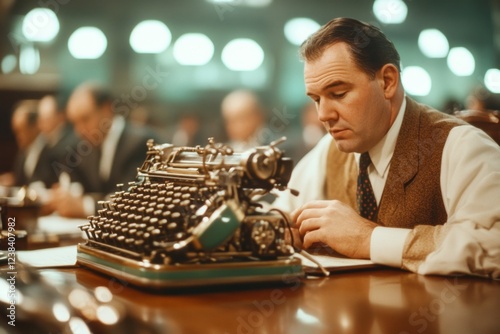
(133, 141)
(139, 132)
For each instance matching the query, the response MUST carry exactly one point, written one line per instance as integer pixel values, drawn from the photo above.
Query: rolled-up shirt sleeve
(469, 242)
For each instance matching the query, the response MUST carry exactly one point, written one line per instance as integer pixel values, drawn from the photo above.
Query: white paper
(61, 226)
(49, 257)
(331, 263)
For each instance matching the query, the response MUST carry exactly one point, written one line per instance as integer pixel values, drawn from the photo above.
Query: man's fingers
(308, 206)
(295, 237)
(312, 237)
(311, 224)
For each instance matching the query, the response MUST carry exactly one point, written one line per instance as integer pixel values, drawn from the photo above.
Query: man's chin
(344, 145)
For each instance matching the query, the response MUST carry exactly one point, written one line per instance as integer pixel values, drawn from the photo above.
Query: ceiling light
(461, 62)
(193, 49)
(87, 43)
(29, 59)
(150, 36)
(416, 81)
(390, 11)
(433, 43)
(297, 30)
(242, 54)
(248, 3)
(492, 80)
(9, 63)
(40, 25)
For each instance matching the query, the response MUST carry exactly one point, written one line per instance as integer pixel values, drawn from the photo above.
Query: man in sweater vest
(434, 181)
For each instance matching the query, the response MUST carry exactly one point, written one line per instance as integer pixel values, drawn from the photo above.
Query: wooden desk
(378, 301)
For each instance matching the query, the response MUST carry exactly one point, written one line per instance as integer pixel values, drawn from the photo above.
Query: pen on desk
(316, 262)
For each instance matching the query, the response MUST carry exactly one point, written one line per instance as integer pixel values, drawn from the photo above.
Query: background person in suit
(244, 119)
(109, 151)
(26, 167)
(58, 137)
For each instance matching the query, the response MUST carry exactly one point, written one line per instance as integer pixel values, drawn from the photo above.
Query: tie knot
(364, 161)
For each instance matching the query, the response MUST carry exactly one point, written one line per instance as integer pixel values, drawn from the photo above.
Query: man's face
(88, 119)
(48, 116)
(24, 132)
(241, 123)
(350, 103)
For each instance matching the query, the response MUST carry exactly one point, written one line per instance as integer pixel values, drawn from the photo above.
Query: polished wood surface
(375, 301)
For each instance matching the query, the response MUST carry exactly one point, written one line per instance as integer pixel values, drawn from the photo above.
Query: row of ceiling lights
(242, 54)
(41, 25)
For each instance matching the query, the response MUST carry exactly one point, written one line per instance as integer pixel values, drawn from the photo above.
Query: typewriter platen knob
(262, 163)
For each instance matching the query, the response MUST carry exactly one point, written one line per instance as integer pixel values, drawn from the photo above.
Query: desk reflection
(381, 301)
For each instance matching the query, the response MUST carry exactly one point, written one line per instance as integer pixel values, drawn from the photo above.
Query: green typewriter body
(191, 218)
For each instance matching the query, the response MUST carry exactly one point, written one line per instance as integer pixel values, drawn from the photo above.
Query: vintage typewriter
(192, 218)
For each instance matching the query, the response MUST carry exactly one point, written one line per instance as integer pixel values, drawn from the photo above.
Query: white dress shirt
(33, 155)
(108, 147)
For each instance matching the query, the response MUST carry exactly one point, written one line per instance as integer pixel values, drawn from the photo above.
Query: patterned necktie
(367, 203)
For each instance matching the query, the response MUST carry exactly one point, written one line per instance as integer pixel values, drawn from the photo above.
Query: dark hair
(370, 48)
(32, 117)
(100, 93)
(30, 110)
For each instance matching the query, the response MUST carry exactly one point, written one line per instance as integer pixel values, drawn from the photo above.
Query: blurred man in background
(244, 119)
(187, 131)
(482, 99)
(109, 151)
(58, 136)
(483, 111)
(29, 143)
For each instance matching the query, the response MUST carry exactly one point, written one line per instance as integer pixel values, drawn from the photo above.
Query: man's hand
(7, 179)
(335, 224)
(66, 204)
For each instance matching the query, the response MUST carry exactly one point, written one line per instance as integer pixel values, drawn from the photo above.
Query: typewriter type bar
(191, 218)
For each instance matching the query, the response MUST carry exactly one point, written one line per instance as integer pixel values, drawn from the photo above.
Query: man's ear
(389, 76)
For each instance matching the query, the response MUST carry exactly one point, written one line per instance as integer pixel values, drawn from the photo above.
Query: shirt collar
(109, 146)
(115, 131)
(381, 154)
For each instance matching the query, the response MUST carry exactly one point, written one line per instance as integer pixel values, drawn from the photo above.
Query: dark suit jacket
(129, 155)
(50, 156)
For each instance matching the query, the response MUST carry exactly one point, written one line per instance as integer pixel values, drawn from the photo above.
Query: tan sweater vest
(412, 193)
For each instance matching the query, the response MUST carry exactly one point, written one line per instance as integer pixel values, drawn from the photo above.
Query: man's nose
(326, 113)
